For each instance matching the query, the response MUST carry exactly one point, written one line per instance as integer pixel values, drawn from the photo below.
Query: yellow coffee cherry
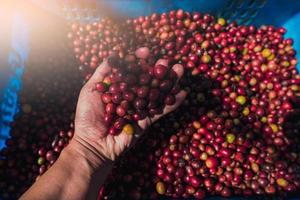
(230, 138)
(221, 21)
(128, 129)
(266, 53)
(237, 78)
(241, 100)
(107, 81)
(246, 111)
(295, 88)
(263, 119)
(274, 128)
(282, 182)
(160, 188)
(257, 48)
(206, 58)
(255, 167)
(196, 124)
(41, 160)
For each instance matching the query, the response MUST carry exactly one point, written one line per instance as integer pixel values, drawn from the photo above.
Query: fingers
(130, 140)
(169, 108)
(145, 123)
(125, 139)
(142, 52)
(163, 62)
(178, 69)
(99, 74)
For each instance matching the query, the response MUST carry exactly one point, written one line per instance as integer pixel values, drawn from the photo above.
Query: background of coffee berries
(46, 87)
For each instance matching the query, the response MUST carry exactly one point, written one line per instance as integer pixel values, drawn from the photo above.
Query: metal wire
(242, 11)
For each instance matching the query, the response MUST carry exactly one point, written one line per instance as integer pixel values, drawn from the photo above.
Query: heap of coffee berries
(94, 42)
(136, 89)
(237, 132)
(255, 85)
(201, 160)
(48, 155)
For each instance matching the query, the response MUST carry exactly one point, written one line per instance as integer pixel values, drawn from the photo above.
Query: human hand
(91, 138)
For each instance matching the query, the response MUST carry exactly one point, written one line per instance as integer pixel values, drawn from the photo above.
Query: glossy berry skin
(160, 71)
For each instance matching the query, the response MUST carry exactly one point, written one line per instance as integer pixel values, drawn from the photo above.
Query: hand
(84, 164)
(90, 132)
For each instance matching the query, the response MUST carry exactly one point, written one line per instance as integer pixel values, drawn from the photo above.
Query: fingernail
(113, 60)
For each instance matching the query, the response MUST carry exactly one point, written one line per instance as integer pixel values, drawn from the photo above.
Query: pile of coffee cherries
(236, 133)
(94, 42)
(134, 90)
(246, 144)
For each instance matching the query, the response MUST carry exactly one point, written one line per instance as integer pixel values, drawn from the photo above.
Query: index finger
(178, 68)
(99, 73)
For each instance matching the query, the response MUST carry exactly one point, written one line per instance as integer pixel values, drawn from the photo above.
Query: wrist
(86, 157)
(88, 165)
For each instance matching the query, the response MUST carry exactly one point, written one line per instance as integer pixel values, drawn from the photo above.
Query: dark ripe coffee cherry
(110, 108)
(133, 68)
(143, 91)
(169, 100)
(139, 103)
(113, 131)
(160, 71)
(116, 98)
(61, 143)
(199, 194)
(42, 169)
(42, 151)
(123, 86)
(270, 189)
(106, 98)
(190, 190)
(129, 96)
(180, 14)
(114, 88)
(130, 79)
(145, 79)
(120, 111)
(101, 87)
(152, 105)
(57, 149)
(195, 181)
(153, 94)
(119, 123)
(107, 119)
(211, 162)
(50, 155)
(226, 192)
(166, 85)
(179, 173)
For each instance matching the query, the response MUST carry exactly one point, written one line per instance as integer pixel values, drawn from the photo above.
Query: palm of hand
(90, 126)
